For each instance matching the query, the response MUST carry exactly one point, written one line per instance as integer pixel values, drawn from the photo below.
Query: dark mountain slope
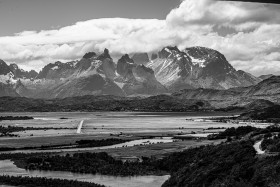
(161, 103)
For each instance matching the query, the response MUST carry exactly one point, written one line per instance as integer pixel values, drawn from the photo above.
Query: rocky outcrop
(89, 55)
(22, 74)
(4, 68)
(137, 79)
(104, 55)
(154, 56)
(124, 67)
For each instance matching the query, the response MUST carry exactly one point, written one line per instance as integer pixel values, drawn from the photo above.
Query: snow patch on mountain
(55, 68)
(199, 62)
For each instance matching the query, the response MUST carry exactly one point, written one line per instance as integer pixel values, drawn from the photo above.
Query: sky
(20, 15)
(37, 32)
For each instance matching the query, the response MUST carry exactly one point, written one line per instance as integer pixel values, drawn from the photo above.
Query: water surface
(8, 168)
(115, 122)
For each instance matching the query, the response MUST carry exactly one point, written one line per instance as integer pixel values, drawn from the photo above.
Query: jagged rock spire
(104, 55)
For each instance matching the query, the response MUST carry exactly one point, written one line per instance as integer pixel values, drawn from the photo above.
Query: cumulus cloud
(211, 12)
(253, 44)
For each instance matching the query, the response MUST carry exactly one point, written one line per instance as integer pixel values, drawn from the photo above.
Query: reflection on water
(8, 168)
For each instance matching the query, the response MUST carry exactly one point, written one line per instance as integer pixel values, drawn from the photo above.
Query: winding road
(258, 148)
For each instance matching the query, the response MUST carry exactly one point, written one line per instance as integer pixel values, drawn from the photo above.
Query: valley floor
(154, 130)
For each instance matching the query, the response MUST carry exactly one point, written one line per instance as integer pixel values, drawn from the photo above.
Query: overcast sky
(36, 32)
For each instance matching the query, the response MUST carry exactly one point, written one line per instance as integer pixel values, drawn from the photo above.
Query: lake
(8, 168)
(113, 122)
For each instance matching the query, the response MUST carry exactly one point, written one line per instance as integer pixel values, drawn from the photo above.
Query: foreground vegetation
(210, 165)
(43, 182)
(227, 164)
(271, 143)
(231, 164)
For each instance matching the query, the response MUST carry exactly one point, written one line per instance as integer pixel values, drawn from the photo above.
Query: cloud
(252, 43)
(203, 12)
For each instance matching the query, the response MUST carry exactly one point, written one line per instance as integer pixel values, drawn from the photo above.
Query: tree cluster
(92, 163)
(233, 132)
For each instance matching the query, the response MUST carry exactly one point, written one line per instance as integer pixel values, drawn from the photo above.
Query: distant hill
(263, 77)
(268, 89)
(271, 114)
(162, 103)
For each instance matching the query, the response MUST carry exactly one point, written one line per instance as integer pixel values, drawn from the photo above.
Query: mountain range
(168, 71)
